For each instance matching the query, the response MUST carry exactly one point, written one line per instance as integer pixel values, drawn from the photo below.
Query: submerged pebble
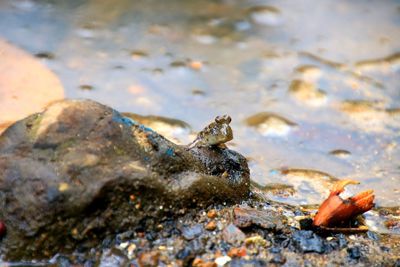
(307, 93)
(266, 15)
(270, 124)
(45, 55)
(138, 54)
(86, 87)
(308, 72)
(340, 153)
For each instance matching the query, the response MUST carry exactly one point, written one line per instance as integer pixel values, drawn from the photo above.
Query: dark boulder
(80, 170)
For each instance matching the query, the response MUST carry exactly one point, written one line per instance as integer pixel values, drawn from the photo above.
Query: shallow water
(313, 88)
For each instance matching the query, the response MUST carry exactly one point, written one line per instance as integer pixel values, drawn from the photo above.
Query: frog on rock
(216, 133)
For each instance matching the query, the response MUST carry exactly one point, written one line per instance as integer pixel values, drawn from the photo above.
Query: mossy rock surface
(80, 170)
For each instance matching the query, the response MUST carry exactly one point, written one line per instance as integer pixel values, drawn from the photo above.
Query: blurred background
(313, 87)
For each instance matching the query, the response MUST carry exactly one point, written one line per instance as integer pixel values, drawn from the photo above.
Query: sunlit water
(313, 87)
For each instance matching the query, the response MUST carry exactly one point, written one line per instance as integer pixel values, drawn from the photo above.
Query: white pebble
(221, 261)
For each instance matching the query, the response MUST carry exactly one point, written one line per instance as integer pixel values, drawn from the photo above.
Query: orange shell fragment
(336, 211)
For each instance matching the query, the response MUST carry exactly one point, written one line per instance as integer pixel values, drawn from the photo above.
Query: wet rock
(113, 257)
(307, 241)
(267, 219)
(191, 232)
(306, 223)
(80, 170)
(232, 234)
(354, 252)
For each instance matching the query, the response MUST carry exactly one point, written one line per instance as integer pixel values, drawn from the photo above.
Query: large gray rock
(80, 170)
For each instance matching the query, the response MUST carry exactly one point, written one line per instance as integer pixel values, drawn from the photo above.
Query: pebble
(130, 250)
(256, 240)
(232, 234)
(267, 219)
(237, 252)
(211, 226)
(196, 65)
(149, 258)
(221, 261)
(200, 263)
(212, 214)
(191, 232)
(123, 245)
(354, 252)
(278, 258)
(307, 241)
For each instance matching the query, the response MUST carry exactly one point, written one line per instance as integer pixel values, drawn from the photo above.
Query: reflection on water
(332, 68)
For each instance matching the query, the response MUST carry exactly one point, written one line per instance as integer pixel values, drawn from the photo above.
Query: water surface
(313, 88)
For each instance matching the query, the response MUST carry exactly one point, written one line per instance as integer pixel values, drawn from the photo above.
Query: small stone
(278, 258)
(267, 219)
(149, 258)
(212, 214)
(256, 240)
(200, 263)
(197, 262)
(111, 257)
(307, 241)
(232, 234)
(196, 65)
(130, 250)
(63, 187)
(191, 232)
(221, 261)
(211, 226)
(354, 252)
(237, 252)
(123, 245)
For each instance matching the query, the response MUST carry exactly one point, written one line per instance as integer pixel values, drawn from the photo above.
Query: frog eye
(218, 119)
(227, 119)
